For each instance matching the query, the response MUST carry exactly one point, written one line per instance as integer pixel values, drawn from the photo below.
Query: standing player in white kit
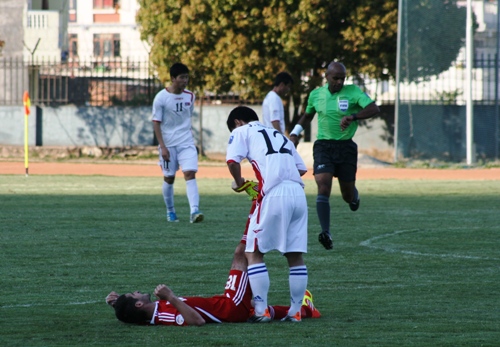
(279, 221)
(172, 111)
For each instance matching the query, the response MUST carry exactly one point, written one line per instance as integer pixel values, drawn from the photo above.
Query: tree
(433, 32)
(240, 45)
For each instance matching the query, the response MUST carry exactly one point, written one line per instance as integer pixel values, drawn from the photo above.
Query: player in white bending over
(279, 221)
(172, 111)
(273, 112)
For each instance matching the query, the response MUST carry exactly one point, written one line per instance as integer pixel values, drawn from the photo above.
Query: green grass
(417, 265)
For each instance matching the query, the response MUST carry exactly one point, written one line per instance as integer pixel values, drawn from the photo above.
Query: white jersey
(174, 112)
(272, 155)
(272, 110)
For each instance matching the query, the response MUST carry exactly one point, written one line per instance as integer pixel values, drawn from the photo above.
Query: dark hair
(178, 69)
(127, 312)
(243, 113)
(283, 77)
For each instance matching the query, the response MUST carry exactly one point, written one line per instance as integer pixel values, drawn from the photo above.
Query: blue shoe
(172, 217)
(196, 217)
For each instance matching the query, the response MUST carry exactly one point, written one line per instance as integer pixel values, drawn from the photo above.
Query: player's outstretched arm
(191, 316)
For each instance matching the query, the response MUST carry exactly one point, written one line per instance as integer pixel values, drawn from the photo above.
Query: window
(106, 45)
(106, 4)
(73, 45)
(72, 11)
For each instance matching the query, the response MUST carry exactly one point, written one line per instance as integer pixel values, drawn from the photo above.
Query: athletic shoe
(265, 318)
(172, 217)
(325, 239)
(354, 205)
(308, 302)
(296, 318)
(196, 217)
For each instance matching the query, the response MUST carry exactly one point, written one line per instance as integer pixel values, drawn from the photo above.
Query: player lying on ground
(234, 306)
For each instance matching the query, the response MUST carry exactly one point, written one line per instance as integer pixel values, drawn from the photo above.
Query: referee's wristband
(297, 129)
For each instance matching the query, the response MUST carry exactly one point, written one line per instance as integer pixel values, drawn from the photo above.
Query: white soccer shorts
(280, 221)
(185, 157)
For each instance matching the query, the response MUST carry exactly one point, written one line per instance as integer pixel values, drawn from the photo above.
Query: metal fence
(92, 82)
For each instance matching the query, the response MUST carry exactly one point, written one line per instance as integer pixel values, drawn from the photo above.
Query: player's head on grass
(240, 115)
(131, 308)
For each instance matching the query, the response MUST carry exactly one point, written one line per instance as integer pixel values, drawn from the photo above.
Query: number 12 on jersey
(270, 149)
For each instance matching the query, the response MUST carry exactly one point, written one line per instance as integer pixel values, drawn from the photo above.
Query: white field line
(369, 243)
(49, 304)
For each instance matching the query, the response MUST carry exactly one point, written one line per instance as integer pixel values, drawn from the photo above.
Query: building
(104, 29)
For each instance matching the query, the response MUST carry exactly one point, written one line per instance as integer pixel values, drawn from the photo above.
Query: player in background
(339, 107)
(273, 113)
(172, 111)
(233, 306)
(279, 221)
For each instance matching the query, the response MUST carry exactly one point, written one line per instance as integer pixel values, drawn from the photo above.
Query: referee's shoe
(325, 239)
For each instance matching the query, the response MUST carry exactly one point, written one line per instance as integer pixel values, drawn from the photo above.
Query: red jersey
(233, 307)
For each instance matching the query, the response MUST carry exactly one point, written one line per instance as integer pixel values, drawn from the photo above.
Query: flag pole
(27, 106)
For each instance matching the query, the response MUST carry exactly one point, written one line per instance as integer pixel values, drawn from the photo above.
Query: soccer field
(417, 265)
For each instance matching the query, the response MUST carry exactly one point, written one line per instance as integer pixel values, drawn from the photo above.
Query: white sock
(168, 196)
(193, 195)
(259, 282)
(298, 284)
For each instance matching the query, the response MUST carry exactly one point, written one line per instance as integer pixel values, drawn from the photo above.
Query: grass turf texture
(417, 265)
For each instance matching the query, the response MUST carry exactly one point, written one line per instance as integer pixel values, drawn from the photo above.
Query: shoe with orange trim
(265, 318)
(296, 318)
(308, 302)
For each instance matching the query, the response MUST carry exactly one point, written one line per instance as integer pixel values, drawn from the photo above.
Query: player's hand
(163, 292)
(345, 122)
(249, 187)
(295, 140)
(111, 298)
(165, 153)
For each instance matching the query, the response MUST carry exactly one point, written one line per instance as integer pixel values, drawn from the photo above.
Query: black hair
(243, 113)
(283, 77)
(127, 312)
(178, 69)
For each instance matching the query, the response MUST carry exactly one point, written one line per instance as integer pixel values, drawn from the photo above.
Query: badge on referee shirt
(343, 105)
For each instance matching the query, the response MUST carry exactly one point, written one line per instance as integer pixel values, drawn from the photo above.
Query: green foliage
(417, 265)
(240, 45)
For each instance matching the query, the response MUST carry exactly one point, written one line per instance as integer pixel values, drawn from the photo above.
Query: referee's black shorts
(339, 158)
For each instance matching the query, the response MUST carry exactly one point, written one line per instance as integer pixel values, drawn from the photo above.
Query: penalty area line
(369, 244)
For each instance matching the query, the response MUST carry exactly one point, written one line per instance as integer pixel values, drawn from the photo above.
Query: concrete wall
(132, 126)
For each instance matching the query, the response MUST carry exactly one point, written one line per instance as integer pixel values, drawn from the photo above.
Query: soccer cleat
(325, 239)
(196, 217)
(308, 302)
(172, 217)
(354, 205)
(296, 318)
(265, 318)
